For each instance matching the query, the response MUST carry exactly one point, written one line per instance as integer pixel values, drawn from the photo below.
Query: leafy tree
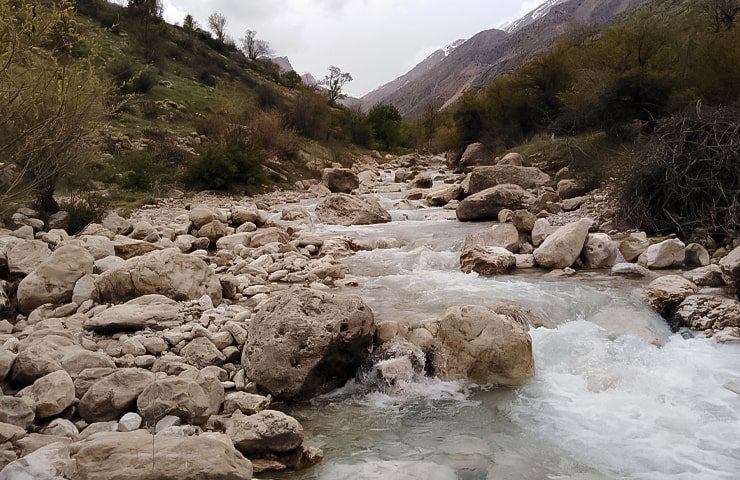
(386, 124)
(217, 23)
(722, 13)
(335, 81)
(291, 79)
(253, 47)
(189, 24)
(150, 8)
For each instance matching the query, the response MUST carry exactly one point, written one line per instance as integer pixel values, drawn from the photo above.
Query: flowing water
(615, 396)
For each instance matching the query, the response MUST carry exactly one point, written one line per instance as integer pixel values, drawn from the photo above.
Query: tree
(189, 24)
(253, 47)
(50, 101)
(386, 124)
(335, 82)
(217, 23)
(150, 8)
(722, 13)
(291, 79)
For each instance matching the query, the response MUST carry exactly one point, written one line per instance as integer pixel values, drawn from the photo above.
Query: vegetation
(223, 167)
(334, 82)
(385, 122)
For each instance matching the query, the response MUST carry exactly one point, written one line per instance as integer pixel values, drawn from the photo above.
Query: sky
(374, 40)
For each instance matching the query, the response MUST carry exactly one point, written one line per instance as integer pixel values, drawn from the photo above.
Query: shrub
(143, 82)
(690, 179)
(223, 167)
(122, 69)
(386, 124)
(266, 97)
(268, 132)
(310, 115)
(139, 170)
(84, 209)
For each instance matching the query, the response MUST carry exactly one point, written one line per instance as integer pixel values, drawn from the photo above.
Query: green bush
(84, 209)
(386, 124)
(310, 115)
(140, 170)
(122, 70)
(224, 167)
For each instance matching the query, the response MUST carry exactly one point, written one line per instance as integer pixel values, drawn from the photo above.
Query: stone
(347, 210)
(666, 254)
(129, 422)
(131, 455)
(265, 432)
(167, 272)
(709, 276)
(305, 342)
(599, 251)
(523, 221)
(110, 397)
(247, 403)
(54, 280)
(403, 176)
(266, 236)
(561, 248)
(634, 245)
(570, 188)
(7, 358)
(486, 347)
(59, 220)
(340, 180)
(201, 215)
(696, 255)
(487, 260)
(475, 155)
(630, 270)
(504, 236)
(201, 352)
(730, 266)
(38, 356)
(213, 231)
(704, 312)
(443, 196)
(250, 214)
(16, 411)
(666, 293)
(295, 214)
(155, 312)
(52, 394)
(11, 433)
(483, 178)
(541, 230)
(512, 158)
(127, 248)
(178, 396)
(75, 361)
(487, 204)
(117, 224)
(25, 257)
(50, 462)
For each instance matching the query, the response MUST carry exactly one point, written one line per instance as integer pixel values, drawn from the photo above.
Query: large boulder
(27, 256)
(343, 209)
(634, 245)
(487, 260)
(50, 462)
(139, 455)
(443, 196)
(178, 396)
(487, 204)
(730, 266)
(483, 178)
(709, 276)
(54, 280)
(114, 394)
(265, 432)
(41, 355)
(52, 394)
(340, 180)
(305, 342)
(704, 312)
(166, 272)
(599, 251)
(16, 411)
(475, 155)
(696, 255)
(666, 254)
(503, 235)
(562, 247)
(666, 293)
(484, 346)
(156, 312)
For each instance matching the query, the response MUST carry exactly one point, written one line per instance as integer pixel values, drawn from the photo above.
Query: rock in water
(479, 344)
(343, 209)
(563, 246)
(166, 272)
(138, 455)
(54, 280)
(666, 254)
(340, 180)
(634, 245)
(599, 251)
(666, 293)
(487, 260)
(306, 342)
(487, 204)
(268, 431)
(703, 312)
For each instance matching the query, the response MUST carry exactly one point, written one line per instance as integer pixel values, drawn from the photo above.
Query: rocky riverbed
(362, 320)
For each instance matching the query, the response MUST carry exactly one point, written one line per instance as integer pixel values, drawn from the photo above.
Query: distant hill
(283, 63)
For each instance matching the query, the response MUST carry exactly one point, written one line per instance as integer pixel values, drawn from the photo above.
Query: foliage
(386, 124)
(334, 82)
(309, 115)
(225, 166)
(690, 177)
(253, 47)
(291, 79)
(84, 208)
(217, 24)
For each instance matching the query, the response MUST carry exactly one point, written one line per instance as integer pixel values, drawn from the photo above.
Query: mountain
(381, 93)
(283, 63)
(479, 60)
(309, 79)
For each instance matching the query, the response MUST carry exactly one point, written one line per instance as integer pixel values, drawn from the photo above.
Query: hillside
(485, 56)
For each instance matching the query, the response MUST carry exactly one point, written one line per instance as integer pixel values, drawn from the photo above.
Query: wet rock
(704, 312)
(54, 280)
(115, 394)
(167, 272)
(422, 181)
(340, 180)
(178, 396)
(127, 455)
(666, 254)
(156, 312)
(634, 245)
(342, 209)
(487, 260)
(268, 431)
(709, 276)
(487, 204)
(305, 342)
(443, 196)
(563, 246)
(483, 178)
(484, 346)
(666, 293)
(599, 251)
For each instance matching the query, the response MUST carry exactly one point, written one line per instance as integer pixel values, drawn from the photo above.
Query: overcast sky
(375, 40)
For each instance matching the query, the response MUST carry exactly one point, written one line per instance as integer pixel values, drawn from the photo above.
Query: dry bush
(691, 175)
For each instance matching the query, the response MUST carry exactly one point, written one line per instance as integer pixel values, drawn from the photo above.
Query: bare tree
(722, 13)
(255, 48)
(217, 23)
(335, 82)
